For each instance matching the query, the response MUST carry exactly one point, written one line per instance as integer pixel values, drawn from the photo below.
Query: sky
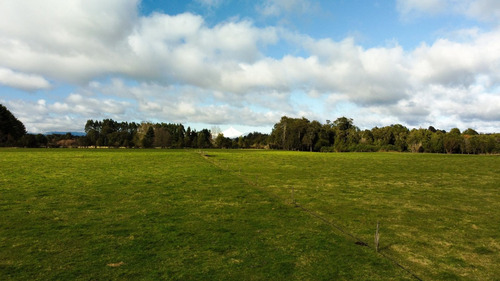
(246, 63)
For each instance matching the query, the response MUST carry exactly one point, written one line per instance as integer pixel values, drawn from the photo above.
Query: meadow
(75, 214)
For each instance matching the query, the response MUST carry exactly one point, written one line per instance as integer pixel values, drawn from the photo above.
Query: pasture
(74, 214)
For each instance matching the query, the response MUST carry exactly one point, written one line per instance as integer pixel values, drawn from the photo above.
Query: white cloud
(69, 40)
(28, 82)
(67, 26)
(457, 63)
(38, 118)
(482, 10)
(407, 7)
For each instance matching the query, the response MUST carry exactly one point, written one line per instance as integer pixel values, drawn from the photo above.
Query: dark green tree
(470, 132)
(11, 129)
(312, 135)
(453, 141)
(417, 139)
(29, 140)
(41, 140)
(326, 137)
(346, 134)
(163, 137)
(288, 134)
(204, 139)
(147, 141)
(93, 129)
(219, 141)
(366, 137)
(437, 142)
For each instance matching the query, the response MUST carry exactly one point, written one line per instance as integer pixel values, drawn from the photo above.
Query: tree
(470, 141)
(346, 134)
(241, 142)
(452, 141)
(394, 137)
(470, 132)
(41, 140)
(93, 129)
(147, 141)
(219, 140)
(178, 134)
(162, 137)
(288, 134)
(311, 136)
(188, 139)
(366, 137)
(326, 136)
(416, 140)
(253, 140)
(29, 140)
(436, 142)
(11, 129)
(204, 139)
(400, 133)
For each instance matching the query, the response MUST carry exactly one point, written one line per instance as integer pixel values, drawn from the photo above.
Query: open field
(229, 214)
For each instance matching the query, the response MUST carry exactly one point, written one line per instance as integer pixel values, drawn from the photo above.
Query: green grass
(174, 214)
(439, 214)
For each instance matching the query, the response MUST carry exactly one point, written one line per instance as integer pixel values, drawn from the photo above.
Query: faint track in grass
(329, 222)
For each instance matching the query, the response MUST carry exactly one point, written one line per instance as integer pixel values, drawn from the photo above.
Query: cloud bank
(177, 68)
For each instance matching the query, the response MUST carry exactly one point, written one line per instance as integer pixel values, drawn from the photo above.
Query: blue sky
(245, 63)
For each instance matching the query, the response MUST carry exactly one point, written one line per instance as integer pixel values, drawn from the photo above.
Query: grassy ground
(439, 214)
(162, 214)
(158, 214)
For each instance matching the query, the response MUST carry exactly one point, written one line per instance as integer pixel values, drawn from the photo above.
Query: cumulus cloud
(38, 118)
(28, 82)
(69, 40)
(77, 42)
(457, 63)
(69, 114)
(188, 104)
(182, 48)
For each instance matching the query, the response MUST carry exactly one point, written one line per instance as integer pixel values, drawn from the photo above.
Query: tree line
(110, 133)
(342, 135)
(298, 134)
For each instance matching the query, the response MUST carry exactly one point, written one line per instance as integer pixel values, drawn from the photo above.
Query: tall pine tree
(11, 129)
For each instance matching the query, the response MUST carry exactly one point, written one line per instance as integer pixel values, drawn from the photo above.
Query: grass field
(229, 214)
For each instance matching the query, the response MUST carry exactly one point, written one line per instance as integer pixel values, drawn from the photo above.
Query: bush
(327, 149)
(390, 147)
(361, 147)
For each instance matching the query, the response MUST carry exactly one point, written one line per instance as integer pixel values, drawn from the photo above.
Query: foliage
(289, 133)
(253, 140)
(149, 137)
(11, 129)
(343, 136)
(110, 133)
